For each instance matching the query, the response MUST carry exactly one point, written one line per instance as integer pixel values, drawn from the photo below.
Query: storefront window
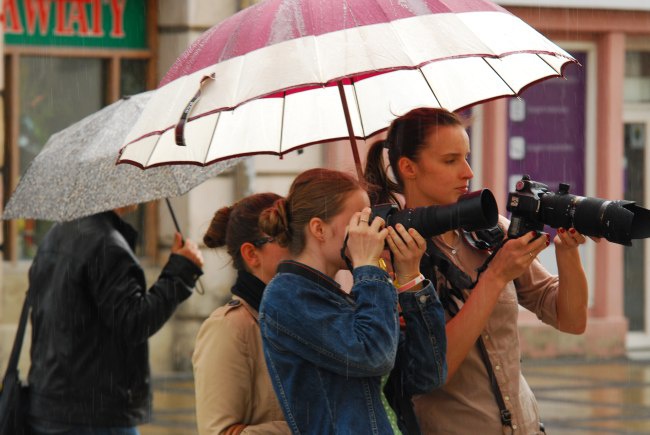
(133, 81)
(637, 77)
(54, 93)
(59, 70)
(133, 77)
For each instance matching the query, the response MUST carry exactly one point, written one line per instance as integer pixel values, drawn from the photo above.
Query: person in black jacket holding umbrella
(91, 318)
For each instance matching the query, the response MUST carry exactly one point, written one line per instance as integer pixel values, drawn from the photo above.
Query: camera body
(533, 205)
(525, 204)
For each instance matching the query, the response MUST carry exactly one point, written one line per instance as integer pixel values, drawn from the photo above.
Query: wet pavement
(576, 397)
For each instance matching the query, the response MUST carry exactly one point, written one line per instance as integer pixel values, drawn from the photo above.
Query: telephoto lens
(533, 206)
(472, 212)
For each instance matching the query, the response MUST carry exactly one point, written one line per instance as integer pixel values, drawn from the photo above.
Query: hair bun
(274, 221)
(215, 237)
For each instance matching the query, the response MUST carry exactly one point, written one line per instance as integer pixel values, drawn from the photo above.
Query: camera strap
(457, 280)
(344, 256)
(506, 415)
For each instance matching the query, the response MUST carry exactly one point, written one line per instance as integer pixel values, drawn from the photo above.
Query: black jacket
(91, 318)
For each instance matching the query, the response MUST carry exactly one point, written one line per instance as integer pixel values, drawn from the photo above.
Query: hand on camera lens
(366, 239)
(407, 248)
(568, 239)
(516, 255)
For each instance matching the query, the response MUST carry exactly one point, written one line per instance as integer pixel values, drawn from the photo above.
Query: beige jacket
(233, 390)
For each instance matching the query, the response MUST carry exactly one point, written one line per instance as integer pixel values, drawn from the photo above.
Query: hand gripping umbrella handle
(199, 285)
(179, 131)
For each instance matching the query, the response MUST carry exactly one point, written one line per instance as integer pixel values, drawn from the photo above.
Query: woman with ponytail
(485, 390)
(328, 350)
(233, 390)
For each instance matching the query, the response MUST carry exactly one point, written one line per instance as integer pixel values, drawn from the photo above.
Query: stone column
(607, 315)
(179, 24)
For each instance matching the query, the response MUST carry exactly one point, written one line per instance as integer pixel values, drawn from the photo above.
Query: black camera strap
(457, 280)
(344, 256)
(506, 415)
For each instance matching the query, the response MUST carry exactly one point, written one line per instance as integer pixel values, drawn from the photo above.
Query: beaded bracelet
(412, 283)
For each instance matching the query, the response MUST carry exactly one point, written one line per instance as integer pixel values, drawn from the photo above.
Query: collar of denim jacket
(290, 266)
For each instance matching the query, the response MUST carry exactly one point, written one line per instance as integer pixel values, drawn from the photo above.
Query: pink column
(609, 178)
(495, 150)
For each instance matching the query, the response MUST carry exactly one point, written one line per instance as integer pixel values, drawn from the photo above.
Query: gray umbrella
(75, 174)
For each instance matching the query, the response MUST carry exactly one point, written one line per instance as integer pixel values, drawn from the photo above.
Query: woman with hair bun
(328, 351)
(233, 390)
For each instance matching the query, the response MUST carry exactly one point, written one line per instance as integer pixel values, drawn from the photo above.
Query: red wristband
(412, 283)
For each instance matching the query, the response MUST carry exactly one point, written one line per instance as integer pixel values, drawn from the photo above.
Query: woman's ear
(406, 168)
(249, 254)
(317, 228)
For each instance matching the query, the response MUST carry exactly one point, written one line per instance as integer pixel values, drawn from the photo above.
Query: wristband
(412, 283)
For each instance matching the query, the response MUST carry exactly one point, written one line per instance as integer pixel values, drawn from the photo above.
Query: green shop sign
(75, 23)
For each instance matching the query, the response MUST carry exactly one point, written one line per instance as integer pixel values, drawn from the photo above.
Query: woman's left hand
(407, 247)
(569, 239)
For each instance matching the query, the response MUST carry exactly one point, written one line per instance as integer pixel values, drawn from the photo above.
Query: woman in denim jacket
(327, 349)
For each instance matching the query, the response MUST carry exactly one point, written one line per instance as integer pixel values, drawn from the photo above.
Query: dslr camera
(532, 206)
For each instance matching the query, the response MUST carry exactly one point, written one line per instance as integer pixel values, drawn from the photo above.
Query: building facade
(594, 131)
(66, 59)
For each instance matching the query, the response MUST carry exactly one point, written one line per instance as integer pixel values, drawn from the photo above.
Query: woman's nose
(467, 171)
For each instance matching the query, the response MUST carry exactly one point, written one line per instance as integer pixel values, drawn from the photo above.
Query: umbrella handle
(199, 285)
(179, 131)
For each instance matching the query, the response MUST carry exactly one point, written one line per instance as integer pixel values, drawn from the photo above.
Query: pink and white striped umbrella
(284, 74)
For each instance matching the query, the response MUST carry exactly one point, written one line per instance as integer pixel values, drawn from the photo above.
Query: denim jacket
(326, 351)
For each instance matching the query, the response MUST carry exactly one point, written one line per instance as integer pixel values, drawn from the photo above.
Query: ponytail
(381, 188)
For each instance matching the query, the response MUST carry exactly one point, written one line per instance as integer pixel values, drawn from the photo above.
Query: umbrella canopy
(75, 174)
(288, 73)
